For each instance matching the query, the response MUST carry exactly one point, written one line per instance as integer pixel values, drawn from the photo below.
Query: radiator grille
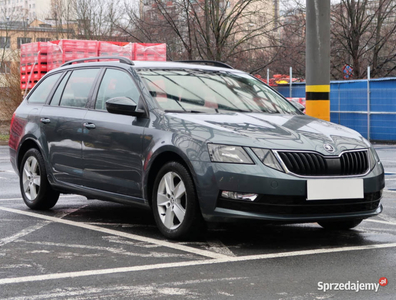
(315, 164)
(354, 163)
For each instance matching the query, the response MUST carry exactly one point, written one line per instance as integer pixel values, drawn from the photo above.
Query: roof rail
(209, 62)
(123, 60)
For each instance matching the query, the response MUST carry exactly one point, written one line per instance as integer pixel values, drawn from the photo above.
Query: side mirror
(299, 106)
(123, 106)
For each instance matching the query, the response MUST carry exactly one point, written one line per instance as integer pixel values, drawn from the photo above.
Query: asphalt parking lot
(88, 249)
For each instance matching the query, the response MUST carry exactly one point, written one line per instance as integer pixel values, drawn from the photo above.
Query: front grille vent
(353, 163)
(315, 164)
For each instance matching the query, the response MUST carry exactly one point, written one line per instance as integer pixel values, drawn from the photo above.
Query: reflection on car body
(193, 143)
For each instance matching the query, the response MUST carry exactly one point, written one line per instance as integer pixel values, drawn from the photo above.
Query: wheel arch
(27, 144)
(158, 160)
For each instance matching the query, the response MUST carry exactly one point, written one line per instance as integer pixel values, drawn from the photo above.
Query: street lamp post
(318, 59)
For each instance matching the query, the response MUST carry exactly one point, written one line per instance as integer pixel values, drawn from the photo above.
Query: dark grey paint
(113, 161)
(112, 153)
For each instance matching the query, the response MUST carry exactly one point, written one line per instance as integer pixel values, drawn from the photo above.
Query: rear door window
(41, 93)
(78, 88)
(116, 83)
(59, 90)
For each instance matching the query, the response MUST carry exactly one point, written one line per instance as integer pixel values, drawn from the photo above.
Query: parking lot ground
(99, 250)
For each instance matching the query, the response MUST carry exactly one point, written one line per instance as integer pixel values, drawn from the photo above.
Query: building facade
(19, 10)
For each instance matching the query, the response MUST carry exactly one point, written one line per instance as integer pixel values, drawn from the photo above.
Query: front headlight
(228, 154)
(372, 154)
(373, 157)
(268, 158)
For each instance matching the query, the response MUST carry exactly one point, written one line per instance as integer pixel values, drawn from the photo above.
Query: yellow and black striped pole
(318, 101)
(317, 62)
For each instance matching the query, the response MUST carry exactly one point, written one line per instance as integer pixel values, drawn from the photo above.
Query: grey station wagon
(191, 142)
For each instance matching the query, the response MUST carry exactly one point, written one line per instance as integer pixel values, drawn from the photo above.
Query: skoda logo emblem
(329, 148)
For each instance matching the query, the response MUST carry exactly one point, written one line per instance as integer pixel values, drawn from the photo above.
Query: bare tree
(362, 34)
(10, 93)
(290, 50)
(95, 18)
(63, 14)
(207, 29)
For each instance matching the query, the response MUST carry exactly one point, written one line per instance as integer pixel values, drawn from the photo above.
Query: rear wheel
(175, 206)
(35, 188)
(340, 225)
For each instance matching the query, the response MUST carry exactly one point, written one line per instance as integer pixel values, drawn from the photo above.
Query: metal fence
(367, 106)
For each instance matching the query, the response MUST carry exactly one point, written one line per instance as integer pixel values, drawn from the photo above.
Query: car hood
(274, 131)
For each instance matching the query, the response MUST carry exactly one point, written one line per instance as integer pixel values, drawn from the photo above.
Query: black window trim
(91, 104)
(39, 83)
(90, 94)
(57, 85)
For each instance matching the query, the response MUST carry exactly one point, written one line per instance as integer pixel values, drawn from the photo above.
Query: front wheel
(175, 206)
(340, 225)
(36, 191)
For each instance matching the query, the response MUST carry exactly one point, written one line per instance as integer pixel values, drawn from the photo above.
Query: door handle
(89, 125)
(45, 120)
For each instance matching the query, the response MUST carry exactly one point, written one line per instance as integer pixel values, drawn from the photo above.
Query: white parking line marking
(124, 225)
(388, 191)
(381, 222)
(22, 233)
(218, 247)
(181, 289)
(11, 199)
(100, 250)
(36, 227)
(190, 263)
(179, 247)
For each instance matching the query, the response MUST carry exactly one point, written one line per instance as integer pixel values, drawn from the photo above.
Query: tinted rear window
(59, 90)
(40, 94)
(78, 87)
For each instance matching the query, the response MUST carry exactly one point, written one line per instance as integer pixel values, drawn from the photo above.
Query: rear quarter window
(41, 93)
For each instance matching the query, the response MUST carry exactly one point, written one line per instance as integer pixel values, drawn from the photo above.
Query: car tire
(340, 225)
(36, 191)
(174, 203)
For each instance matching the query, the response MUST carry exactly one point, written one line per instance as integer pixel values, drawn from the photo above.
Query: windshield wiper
(234, 110)
(189, 111)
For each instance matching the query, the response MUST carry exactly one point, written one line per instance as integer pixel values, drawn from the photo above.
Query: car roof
(152, 65)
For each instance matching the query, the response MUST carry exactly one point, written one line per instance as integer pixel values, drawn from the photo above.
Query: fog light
(239, 196)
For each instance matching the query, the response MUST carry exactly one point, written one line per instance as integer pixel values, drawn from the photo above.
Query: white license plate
(328, 189)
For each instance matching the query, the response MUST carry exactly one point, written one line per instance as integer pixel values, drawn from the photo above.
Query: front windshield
(188, 90)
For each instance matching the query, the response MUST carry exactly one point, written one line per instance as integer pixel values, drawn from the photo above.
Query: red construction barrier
(54, 56)
(34, 52)
(66, 50)
(112, 49)
(33, 63)
(39, 58)
(151, 52)
(29, 85)
(117, 43)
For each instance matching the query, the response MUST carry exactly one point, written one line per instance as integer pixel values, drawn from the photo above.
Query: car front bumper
(283, 197)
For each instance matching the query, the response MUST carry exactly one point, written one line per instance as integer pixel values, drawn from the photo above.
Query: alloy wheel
(172, 200)
(31, 178)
